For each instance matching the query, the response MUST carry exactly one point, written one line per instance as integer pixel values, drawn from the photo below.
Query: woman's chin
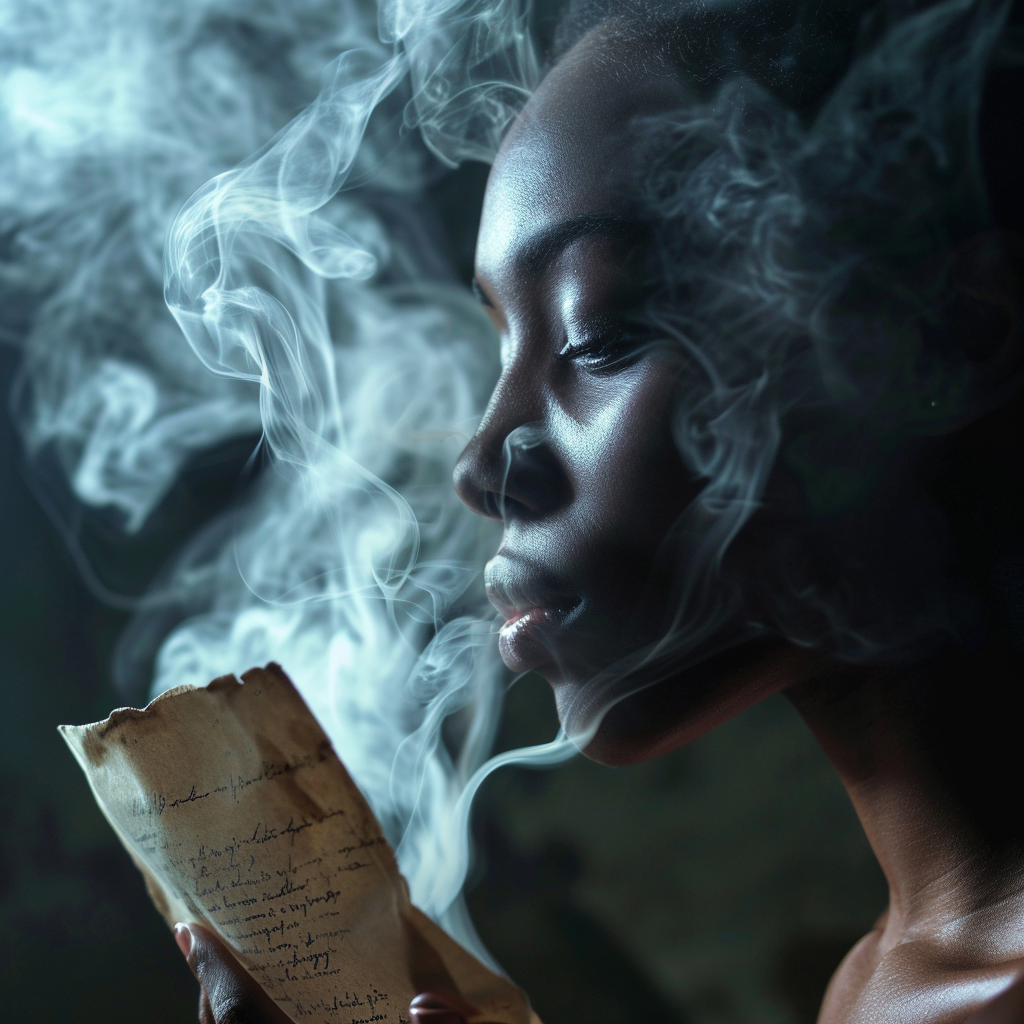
(639, 716)
(622, 734)
(614, 725)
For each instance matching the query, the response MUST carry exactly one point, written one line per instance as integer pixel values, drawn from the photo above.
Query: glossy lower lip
(524, 638)
(535, 609)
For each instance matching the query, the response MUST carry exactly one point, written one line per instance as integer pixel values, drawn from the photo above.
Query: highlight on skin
(781, 304)
(304, 281)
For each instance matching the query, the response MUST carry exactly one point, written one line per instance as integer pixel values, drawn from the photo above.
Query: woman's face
(575, 453)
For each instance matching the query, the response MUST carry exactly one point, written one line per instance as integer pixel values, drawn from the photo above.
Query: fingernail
(183, 937)
(429, 1015)
(430, 1008)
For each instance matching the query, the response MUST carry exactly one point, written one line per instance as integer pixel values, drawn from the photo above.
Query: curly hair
(823, 219)
(797, 49)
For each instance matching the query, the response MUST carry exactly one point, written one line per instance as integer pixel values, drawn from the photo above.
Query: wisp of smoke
(299, 278)
(303, 305)
(803, 255)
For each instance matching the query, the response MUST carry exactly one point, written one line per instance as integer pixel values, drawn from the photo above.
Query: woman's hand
(228, 995)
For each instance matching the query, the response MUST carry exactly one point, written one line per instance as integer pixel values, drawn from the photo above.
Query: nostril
(531, 485)
(492, 505)
(509, 476)
(471, 484)
(503, 506)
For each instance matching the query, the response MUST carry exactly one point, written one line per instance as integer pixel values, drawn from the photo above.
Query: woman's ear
(982, 318)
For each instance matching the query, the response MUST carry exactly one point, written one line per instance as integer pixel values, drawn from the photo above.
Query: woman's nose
(510, 468)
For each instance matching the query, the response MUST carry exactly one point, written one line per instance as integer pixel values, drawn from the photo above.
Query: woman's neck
(930, 760)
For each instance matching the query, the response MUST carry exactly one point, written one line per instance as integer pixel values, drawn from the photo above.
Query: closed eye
(481, 294)
(607, 350)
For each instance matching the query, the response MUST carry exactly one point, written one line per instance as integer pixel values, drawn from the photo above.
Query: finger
(205, 1012)
(229, 994)
(433, 1008)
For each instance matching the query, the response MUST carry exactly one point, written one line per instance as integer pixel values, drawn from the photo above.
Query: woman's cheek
(626, 464)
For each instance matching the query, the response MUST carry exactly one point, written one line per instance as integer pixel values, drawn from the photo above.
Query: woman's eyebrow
(540, 250)
(537, 252)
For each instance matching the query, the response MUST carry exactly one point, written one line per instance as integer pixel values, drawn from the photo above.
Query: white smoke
(299, 278)
(303, 280)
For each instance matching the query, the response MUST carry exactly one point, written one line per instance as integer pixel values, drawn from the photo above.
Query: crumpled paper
(236, 809)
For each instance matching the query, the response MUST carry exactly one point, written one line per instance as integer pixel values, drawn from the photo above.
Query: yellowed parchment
(235, 807)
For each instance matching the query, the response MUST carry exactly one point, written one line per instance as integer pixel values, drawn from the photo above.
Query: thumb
(229, 993)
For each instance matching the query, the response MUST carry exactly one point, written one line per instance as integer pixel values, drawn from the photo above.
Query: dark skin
(575, 456)
(227, 995)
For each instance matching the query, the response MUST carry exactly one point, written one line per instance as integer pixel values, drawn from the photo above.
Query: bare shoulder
(1006, 1008)
(911, 984)
(852, 978)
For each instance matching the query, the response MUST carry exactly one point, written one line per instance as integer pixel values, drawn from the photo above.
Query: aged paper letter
(235, 807)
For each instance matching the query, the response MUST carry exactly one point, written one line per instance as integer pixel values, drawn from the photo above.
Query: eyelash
(601, 352)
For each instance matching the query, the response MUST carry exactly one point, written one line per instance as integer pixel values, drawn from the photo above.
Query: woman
(755, 432)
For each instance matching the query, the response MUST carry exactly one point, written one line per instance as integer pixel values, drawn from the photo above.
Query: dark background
(720, 884)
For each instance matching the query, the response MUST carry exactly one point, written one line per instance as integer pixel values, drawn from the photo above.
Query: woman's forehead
(572, 154)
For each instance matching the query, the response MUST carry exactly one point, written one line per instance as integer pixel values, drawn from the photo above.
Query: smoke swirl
(303, 280)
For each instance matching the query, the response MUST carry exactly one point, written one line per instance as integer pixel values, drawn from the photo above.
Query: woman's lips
(521, 639)
(532, 609)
